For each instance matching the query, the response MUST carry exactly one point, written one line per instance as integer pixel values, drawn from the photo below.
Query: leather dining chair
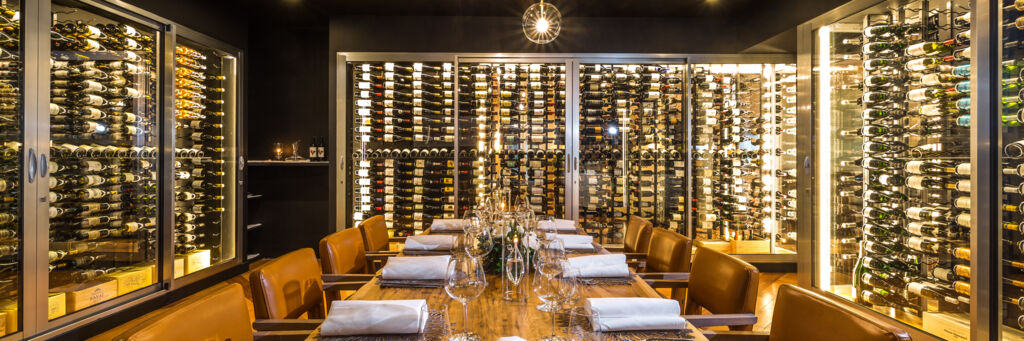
(375, 235)
(220, 315)
(669, 252)
(801, 314)
(722, 284)
(343, 259)
(288, 292)
(635, 239)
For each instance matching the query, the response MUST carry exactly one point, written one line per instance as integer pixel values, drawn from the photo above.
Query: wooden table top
(492, 317)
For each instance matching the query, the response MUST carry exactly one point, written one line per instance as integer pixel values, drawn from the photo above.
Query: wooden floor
(767, 288)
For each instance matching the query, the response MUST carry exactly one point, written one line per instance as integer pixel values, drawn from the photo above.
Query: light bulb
(542, 25)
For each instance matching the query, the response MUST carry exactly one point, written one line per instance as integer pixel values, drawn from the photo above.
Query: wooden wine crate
(949, 326)
(197, 260)
(56, 305)
(179, 266)
(9, 308)
(134, 278)
(83, 295)
(746, 247)
(717, 245)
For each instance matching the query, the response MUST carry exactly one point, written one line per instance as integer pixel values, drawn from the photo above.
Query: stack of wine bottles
(404, 135)
(10, 160)
(779, 151)
(103, 169)
(744, 157)
(904, 197)
(512, 133)
(199, 156)
(632, 145)
(1012, 163)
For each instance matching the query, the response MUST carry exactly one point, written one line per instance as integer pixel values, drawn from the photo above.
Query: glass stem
(465, 317)
(554, 309)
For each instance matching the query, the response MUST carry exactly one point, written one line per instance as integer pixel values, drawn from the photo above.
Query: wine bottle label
(915, 227)
(915, 288)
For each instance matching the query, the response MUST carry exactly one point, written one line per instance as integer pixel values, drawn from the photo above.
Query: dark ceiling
(579, 8)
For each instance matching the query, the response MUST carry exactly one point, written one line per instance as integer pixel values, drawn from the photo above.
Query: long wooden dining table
(492, 317)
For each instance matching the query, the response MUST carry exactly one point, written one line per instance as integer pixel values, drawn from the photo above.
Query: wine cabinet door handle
(807, 164)
(31, 166)
(44, 166)
(241, 163)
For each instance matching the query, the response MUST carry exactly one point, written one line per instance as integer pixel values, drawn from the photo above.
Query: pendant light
(542, 22)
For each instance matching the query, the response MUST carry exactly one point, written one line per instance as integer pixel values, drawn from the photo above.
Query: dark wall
(221, 20)
(505, 34)
(287, 101)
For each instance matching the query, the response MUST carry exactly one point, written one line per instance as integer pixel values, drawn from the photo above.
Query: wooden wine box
(951, 327)
(9, 309)
(179, 266)
(197, 260)
(83, 295)
(134, 278)
(56, 305)
(741, 247)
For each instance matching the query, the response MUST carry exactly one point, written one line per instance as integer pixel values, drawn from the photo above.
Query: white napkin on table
(574, 241)
(635, 313)
(559, 225)
(430, 242)
(446, 225)
(374, 317)
(424, 268)
(610, 265)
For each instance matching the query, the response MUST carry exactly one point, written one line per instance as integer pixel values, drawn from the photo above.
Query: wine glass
(547, 292)
(581, 325)
(465, 281)
(547, 262)
(475, 242)
(472, 218)
(568, 284)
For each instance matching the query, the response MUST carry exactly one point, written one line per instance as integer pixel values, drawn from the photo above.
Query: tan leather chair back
(220, 315)
(638, 235)
(288, 287)
(722, 284)
(343, 253)
(669, 252)
(375, 233)
(804, 315)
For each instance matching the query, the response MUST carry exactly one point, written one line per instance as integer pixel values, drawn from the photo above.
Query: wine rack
(11, 152)
(744, 184)
(1011, 119)
(403, 142)
(512, 133)
(103, 171)
(632, 146)
(204, 149)
(898, 157)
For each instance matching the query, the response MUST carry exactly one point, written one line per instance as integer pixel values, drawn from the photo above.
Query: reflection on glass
(403, 145)
(632, 146)
(11, 137)
(204, 163)
(744, 179)
(893, 113)
(103, 169)
(512, 133)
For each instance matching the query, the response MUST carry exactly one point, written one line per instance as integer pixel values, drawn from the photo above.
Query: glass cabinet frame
(343, 105)
(35, 20)
(986, 197)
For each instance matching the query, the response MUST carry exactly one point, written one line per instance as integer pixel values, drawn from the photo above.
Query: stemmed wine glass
(465, 281)
(548, 261)
(475, 242)
(556, 290)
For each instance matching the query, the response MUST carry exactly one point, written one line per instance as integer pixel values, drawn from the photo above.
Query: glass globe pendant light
(542, 22)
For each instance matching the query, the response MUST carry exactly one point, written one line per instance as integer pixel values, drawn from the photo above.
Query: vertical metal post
(35, 225)
(572, 138)
(338, 134)
(690, 145)
(985, 176)
(807, 215)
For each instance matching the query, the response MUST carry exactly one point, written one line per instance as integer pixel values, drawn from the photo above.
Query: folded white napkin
(430, 242)
(610, 265)
(559, 225)
(511, 338)
(635, 313)
(445, 225)
(374, 318)
(574, 241)
(425, 267)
